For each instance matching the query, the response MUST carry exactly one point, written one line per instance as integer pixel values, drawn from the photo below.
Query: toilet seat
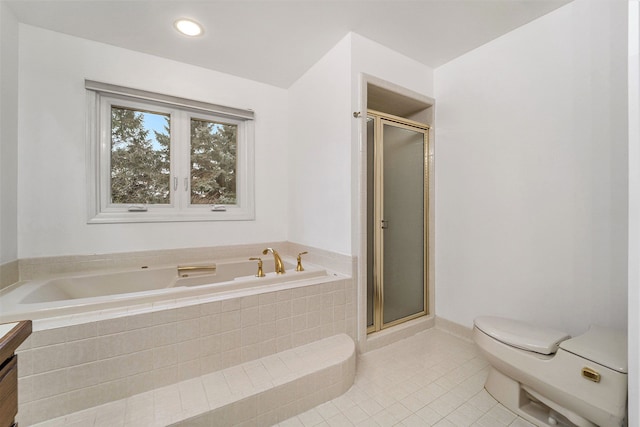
(521, 335)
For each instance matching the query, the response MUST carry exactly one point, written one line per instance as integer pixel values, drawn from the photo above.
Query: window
(158, 158)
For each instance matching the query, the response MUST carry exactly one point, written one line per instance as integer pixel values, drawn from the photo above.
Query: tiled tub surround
(262, 392)
(76, 362)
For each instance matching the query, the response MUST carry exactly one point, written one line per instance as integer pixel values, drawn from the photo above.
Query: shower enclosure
(397, 213)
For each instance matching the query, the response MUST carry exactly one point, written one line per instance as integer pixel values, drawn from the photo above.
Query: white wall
(8, 135)
(320, 153)
(377, 60)
(373, 59)
(634, 213)
(531, 176)
(52, 202)
(324, 138)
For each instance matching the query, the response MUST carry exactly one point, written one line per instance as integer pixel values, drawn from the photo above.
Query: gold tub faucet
(278, 261)
(299, 266)
(260, 272)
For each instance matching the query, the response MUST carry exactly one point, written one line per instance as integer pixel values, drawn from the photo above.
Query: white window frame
(100, 98)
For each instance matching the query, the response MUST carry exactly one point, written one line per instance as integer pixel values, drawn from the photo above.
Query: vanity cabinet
(11, 336)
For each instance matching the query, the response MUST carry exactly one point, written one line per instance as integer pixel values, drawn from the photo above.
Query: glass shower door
(403, 221)
(397, 255)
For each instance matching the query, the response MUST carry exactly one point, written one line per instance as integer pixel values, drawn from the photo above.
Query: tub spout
(279, 264)
(185, 270)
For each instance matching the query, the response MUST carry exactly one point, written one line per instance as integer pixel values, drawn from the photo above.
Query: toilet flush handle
(591, 374)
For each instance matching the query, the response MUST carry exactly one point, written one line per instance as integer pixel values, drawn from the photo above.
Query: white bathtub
(88, 292)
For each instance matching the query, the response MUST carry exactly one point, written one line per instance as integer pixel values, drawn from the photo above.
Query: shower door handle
(384, 224)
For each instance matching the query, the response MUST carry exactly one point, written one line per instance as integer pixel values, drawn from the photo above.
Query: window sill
(231, 214)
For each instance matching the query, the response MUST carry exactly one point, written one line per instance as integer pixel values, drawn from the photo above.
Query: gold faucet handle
(260, 273)
(299, 266)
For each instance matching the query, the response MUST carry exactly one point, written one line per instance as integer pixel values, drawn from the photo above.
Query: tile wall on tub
(71, 368)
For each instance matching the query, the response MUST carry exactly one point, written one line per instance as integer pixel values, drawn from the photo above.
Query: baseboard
(454, 328)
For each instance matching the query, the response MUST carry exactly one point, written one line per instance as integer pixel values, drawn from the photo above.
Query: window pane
(213, 162)
(140, 166)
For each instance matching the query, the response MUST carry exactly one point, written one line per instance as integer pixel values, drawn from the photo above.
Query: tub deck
(135, 289)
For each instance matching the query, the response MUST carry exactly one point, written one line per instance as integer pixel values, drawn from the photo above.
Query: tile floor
(430, 379)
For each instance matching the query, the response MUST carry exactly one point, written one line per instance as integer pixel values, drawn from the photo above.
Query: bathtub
(62, 295)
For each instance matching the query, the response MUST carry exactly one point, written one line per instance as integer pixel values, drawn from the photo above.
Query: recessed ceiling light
(188, 27)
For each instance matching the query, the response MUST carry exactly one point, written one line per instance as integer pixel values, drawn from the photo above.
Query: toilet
(551, 379)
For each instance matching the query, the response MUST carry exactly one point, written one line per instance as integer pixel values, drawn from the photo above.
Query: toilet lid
(521, 335)
(604, 346)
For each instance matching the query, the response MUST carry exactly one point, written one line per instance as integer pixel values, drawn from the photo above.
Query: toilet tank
(604, 346)
(593, 369)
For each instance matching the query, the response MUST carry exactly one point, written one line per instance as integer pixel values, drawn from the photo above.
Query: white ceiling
(275, 42)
